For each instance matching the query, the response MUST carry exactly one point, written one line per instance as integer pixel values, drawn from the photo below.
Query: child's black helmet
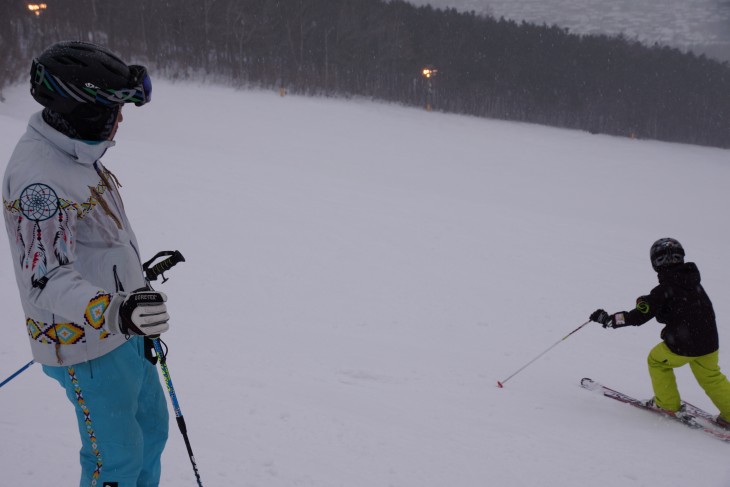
(78, 77)
(666, 252)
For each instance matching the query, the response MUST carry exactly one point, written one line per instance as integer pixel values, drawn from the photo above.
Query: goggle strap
(139, 95)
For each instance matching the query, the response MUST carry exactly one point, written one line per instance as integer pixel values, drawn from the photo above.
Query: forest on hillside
(481, 66)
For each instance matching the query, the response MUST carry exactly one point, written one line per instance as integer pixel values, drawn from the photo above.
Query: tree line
(485, 66)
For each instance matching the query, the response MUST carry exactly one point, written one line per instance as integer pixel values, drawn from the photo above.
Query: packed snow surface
(360, 275)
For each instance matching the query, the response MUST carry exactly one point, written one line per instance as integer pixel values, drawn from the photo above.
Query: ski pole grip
(158, 269)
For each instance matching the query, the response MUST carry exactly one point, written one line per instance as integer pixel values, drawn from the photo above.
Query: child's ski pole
(502, 382)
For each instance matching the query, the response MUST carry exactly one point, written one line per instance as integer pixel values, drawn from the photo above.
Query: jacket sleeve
(643, 312)
(43, 232)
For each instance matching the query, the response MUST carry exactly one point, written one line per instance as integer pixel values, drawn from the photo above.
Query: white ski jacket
(71, 243)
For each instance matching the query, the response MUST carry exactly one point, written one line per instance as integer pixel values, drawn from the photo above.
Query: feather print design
(19, 242)
(38, 259)
(62, 241)
(97, 195)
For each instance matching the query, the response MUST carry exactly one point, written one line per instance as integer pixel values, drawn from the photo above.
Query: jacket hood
(78, 150)
(686, 274)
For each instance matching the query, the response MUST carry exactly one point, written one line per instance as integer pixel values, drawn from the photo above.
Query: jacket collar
(686, 274)
(80, 151)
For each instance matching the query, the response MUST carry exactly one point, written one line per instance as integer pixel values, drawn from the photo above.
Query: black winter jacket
(680, 303)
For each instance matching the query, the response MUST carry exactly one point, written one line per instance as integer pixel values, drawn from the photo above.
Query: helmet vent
(114, 70)
(69, 60)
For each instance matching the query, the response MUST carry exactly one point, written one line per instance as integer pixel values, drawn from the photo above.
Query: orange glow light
(429, 72)
(37, 8)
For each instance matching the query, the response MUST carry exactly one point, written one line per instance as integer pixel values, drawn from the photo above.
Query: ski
(701, 420)
(701, 413)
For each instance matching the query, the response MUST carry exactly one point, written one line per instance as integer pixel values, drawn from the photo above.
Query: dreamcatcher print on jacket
(38, 203)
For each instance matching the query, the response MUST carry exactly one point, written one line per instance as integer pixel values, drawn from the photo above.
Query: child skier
(689, 335)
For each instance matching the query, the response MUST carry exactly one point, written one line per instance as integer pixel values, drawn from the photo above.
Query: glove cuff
(617, 320)
(113, 319)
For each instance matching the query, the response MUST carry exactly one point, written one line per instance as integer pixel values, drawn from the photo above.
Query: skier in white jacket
(77, 263)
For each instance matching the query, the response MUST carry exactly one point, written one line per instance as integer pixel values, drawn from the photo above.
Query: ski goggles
(667, 259)
(139, 91)
(142, 83)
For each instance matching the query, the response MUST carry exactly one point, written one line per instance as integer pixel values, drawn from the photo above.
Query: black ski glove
(600, 316)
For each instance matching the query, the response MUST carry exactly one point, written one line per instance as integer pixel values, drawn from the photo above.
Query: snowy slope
(697, 25)
(360, 275)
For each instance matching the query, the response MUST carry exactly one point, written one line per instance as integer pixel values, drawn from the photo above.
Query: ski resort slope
(360, 275)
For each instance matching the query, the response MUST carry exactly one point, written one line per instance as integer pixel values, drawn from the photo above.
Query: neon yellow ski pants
(705, 368)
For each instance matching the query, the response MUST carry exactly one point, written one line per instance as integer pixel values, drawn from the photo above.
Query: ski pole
(175, 405)
(151, 273)
(19, 371)
(501, 383)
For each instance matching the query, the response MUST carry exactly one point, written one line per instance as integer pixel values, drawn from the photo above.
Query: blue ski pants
(122, 416)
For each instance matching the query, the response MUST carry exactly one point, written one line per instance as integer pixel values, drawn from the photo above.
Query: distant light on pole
(37, 8)
(429, 72)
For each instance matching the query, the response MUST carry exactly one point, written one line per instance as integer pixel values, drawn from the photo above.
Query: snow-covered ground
(360, 275)
(702, 26)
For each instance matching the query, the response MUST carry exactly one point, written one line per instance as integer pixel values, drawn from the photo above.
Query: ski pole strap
(149, 348)
(152, 271)
(17, 373)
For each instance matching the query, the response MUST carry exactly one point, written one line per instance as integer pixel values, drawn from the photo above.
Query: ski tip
(589, 384)
(500, 385)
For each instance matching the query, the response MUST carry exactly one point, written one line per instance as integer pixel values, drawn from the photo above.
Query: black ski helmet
(83, 79)
(666, 252)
